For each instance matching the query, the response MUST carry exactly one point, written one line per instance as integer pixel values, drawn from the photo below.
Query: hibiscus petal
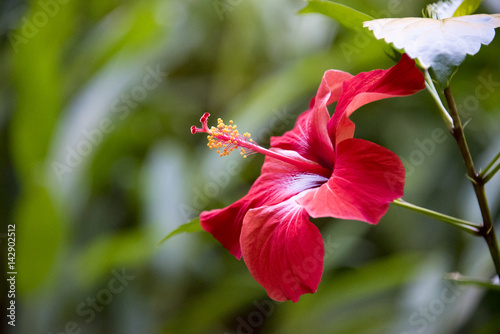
(225, 224)
(366, 178)
(283, 250)
(309, 137)
(402, 79)
(278, 182)
(331, 86)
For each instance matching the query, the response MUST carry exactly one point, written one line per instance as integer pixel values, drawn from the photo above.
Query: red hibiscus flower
(317, 169)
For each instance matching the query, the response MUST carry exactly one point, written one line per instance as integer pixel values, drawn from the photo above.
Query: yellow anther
(226, 138)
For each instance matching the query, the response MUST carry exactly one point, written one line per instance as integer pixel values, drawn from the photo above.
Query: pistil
(226, 138)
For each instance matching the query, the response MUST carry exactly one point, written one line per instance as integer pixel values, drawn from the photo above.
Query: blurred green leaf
(459, 278)
(348, 17)
(279, 90)
(192, 226)
(112, 251)
(214, 304)
(135, 31)
(40, 234)
(353, 286)
(371, 316)
(39, 83)
(467, 7)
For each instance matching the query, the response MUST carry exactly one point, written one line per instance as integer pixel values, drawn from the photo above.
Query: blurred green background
(98, 165)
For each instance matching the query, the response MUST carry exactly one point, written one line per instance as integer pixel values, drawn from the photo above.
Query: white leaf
(438, 44)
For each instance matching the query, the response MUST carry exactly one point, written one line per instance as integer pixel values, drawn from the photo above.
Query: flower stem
(478, 181)
(432, 90)
(462, 224)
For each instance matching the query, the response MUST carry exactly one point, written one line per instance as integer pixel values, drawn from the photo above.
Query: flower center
(226, 138)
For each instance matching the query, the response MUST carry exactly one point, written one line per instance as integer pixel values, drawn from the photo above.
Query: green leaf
(193, 226)
(41, 232)
(348, 17)
(467, 7)
(459, 278)
(39, 83)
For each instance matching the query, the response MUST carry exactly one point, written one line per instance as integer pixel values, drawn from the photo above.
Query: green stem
(432, 90)
(478, 182)
(488, 177)
(491, 164)
(461, 224)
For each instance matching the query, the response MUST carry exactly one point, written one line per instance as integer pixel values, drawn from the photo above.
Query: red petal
(278, 182)
(331, 86)
(283, 250)
(402, 79)
(309, 137)
(366, 178)
(225, 224)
